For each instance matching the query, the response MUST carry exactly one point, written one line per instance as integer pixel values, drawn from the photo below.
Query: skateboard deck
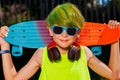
(34, 34)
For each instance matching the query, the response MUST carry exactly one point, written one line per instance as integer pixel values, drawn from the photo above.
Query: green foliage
(11, 14)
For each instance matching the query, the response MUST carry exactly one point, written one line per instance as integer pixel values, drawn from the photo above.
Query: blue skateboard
(34, 34)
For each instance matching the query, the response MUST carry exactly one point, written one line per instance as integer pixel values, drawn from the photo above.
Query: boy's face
(63, 36)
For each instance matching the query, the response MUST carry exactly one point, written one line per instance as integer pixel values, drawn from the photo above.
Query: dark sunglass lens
(71, 31)
(57, 30)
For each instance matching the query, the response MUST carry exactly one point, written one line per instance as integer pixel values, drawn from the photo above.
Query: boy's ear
(78, 33)
(50, 31)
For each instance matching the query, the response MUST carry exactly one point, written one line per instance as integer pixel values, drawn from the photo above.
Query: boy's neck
(63, 50)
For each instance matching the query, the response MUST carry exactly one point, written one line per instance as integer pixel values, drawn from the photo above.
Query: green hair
(66, 14)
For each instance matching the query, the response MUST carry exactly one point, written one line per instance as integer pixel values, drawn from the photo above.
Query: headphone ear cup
(74, 53)
(54, 54)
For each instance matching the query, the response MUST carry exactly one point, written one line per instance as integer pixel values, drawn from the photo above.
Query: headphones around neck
(54, 54)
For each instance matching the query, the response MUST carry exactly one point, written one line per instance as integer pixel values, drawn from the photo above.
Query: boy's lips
(64, 40)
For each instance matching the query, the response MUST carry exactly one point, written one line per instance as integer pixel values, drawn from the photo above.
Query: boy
(61, 59)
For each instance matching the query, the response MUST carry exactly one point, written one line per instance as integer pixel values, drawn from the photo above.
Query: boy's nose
(64, 33)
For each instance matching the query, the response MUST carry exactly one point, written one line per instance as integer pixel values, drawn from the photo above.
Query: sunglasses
(59, 29)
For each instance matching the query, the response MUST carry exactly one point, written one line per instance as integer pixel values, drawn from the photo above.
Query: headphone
(54, 54)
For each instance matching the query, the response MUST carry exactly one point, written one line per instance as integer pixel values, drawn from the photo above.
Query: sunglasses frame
(66, 29)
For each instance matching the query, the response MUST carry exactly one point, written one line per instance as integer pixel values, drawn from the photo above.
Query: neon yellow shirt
(65, 69)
